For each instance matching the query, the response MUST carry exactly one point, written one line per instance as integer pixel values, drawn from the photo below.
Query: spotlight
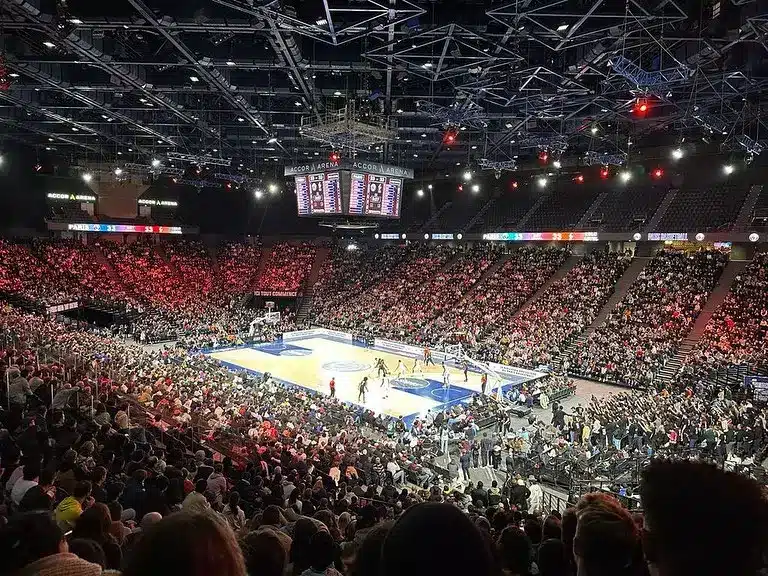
(658, 173)
(87, 176)
(604, 173)
(514, 184)
(460, 188)
(429, 186)
(420, 193)
(258, 194)
(542, 181)
(272, 188)
(118, 171)
(475, 188)
(677, 153)
(543, 156)
(728, 169)
(335, 157)
(155, 163)
(228, 185)
(625, 176)
(467, 175)
(449, 137)
(641, 107)
(593, 129)
(556, 164)
(579, 179)
(1, 160)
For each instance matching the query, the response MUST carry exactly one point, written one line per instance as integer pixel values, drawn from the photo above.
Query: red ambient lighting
(603, 173)
(450, 137)
(461, 188)
(658, 173)
(335, 157)
(543, 156)
(641, 107)
(579, 179)
(514, 184)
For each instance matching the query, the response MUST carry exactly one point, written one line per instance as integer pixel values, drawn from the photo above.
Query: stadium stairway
(160, 249)
(266, 254)
(732, 269)
(559, 274)
(745, 214)
(436, 216)
(214, 256)
(498, 263)
(620, 290)
(305, 305)
(661, 210)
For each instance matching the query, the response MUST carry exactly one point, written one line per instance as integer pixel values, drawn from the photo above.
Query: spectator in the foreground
(607, 540)
(196, 501)
(264, 554)
(31, 544)
(189, 544)
(701, 520)
(94, 524)
(448, 544)
(322, 553)
(515, 550)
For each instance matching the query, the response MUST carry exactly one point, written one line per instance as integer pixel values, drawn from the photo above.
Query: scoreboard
(318, 194)
(375, 195)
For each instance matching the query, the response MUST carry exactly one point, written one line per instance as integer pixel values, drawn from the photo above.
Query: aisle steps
(561, 272)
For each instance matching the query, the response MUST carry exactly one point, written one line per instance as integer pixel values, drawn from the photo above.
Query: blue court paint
(283, 349)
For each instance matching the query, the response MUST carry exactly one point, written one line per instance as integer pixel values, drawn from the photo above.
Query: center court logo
(295, 352)
(348, 366)
(410, 383)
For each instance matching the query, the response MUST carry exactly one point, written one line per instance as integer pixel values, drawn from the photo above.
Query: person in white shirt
(397, 473)
(28, 479)
(400, 370)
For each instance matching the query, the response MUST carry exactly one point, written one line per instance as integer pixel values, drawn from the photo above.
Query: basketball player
(385, 386)
(483, 383)
(400, 370)
(446, 378)
(416, 365)
(466, 369)
(362, 388)
(381, 368)
(332, 386)
(428, 357)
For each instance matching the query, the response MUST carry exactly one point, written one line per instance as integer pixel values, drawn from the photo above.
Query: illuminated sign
(389, 236)
(442, 236)
(668, 237)
(151, 202)
(542, 236)
(124, 228)
(72, 197)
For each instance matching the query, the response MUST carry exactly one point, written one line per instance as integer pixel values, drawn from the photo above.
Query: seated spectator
(729, 535)
(190, 544)
(69, 510)
(95, 524)
(264, 553)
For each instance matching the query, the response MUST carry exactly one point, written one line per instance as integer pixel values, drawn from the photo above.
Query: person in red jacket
(332, 386)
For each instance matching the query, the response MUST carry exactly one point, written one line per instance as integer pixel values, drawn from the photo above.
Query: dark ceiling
(131, 80)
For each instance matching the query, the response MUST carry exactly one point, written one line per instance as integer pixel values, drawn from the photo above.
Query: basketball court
(311, 362)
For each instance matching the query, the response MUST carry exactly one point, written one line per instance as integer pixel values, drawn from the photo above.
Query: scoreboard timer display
(375, 195)
(318, 194)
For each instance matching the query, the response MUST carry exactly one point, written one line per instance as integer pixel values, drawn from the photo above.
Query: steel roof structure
(134, 80)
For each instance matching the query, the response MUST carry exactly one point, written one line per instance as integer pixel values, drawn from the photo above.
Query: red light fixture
(658, 173)
(335, 157)
(450, 137)
(514, 184)
(641, 107)
(604, 173)
(579, 179)
(229, 185)
(461, 188)
(543, 156)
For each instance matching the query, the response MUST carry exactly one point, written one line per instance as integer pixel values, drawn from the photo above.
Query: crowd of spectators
(645, 328)
(538, 332)
(238, 266)
(22, 274)
(127, 454)
(737, 333)
(194, 265)
(287, 267)
(525, 270)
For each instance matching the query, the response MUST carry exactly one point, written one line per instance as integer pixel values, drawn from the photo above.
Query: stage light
(542, 181)
(258, 194)
(557, 164)
(625, 176)
(475, 188)
(543, 156)
(562, 28)
(641, 107)
(420, 193)
(593, 129)
(677, 153)
(87, 176)
(272, 140)
(155, 163)
(228, 185)
(728, 169)
(514, 184)
(658, 173)
(579, 179)
(467, 175)
(460, 187)
(118, 171)
(604, 173)
(429, 186)
(194, 79)
(449, 137)
(1, 160)
(335, 157)
(49, 44)
(273, 189)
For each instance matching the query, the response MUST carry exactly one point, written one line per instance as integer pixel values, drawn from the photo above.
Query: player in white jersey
(400, 370)
(446, 380)
(385, 386)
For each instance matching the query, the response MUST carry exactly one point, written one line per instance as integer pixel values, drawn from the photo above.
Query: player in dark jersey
(362, 388)
(381, 368)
